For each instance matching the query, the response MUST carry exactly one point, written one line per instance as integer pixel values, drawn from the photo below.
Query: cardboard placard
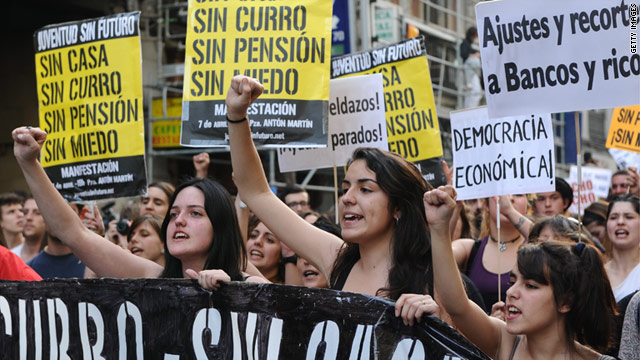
(510, 155)
(287, 47)
(556, 56)
(89, 78)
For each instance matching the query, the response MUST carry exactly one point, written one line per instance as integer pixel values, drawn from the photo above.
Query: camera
(123, 226)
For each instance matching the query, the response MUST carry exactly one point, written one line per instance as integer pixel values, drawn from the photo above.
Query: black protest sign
(171, 319)
(89, 77)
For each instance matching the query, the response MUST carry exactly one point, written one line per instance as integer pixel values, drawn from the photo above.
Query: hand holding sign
(412, 306)
(209, 279)
(27, 143)
(242, 93)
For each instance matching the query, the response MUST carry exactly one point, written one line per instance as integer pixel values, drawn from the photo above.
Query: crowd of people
(516, 274)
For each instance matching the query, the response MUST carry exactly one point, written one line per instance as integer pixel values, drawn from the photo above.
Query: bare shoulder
(462, 250)
(507, 341)
(587, 353)
(466, 244)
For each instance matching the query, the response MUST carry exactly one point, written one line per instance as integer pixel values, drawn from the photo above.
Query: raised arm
(519, 221)
(470, 319)
(102, 256)
(315, 245)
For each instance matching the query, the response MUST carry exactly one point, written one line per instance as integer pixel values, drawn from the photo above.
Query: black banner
(176, 319)
(100, 179)
(273, 122)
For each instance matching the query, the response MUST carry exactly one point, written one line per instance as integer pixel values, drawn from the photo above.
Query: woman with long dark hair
(386, 251)
(559, 305)
(201, 235)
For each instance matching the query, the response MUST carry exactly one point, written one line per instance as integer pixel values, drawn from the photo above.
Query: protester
(387, 247)
(562, 228)
(625, 181)
(144, 238)
(34, 230)
(11, 219)
(264, 251)
(594, 220)
(480, 258)
(623, 233)
(554, 202)
(310, 275)
(201, 164)
(472, 69)
(197, 208)
(558, 293)
(630, 339)
(92, 219)
(114, 234)
(156, 202)
(57, 260)
(619, 184)
(590, 160)
(14, 269)
(473, 208)
(297, 198)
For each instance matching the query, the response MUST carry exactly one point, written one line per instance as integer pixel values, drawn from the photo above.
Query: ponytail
(591, 317)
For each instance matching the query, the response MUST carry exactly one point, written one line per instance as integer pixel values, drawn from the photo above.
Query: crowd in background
(528, 273)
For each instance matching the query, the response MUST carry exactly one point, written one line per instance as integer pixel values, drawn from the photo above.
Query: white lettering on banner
(210, 319)
(55, 307)
(129, 310)
(207, 324)
(88, 311)
(326, 332)
(541, 59)
(404, 348)
(57, 37)
(6, 315)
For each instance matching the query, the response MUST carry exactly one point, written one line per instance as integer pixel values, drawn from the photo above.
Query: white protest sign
(510, 155)
(556, 56)
(595, 184)
(624, 159)
(356, 119)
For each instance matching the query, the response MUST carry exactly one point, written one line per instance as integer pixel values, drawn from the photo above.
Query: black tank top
(342, 277)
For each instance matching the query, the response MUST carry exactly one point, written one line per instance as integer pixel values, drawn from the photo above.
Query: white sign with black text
(509, 155)
(356, 119)
(557, 56)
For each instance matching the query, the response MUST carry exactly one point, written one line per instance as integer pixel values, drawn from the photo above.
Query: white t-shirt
(18, 249)
(630, 284)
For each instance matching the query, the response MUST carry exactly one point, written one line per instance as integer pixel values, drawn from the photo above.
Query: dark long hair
(411, 270)
(578, 279)
(227, 251)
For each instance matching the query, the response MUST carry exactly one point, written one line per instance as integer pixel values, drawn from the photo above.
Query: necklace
(502, 245)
